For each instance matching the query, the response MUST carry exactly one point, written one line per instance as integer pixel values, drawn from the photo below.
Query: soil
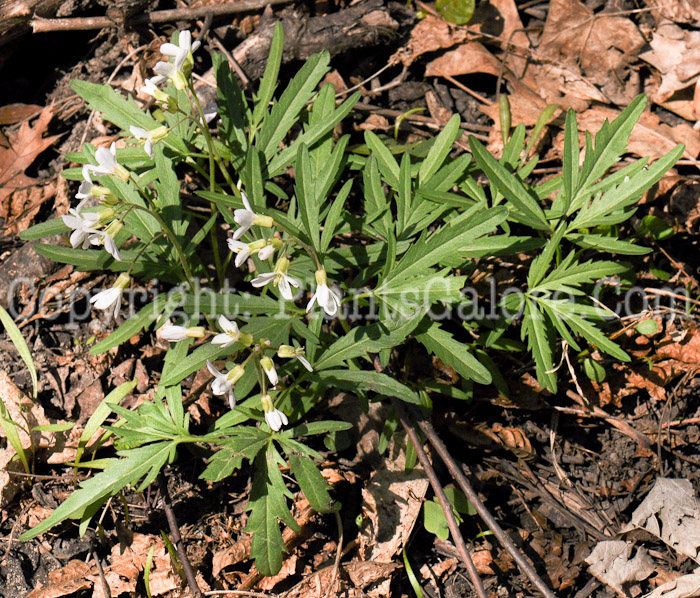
(558, 475)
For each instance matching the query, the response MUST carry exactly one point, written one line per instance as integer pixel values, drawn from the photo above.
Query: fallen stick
(40, 25)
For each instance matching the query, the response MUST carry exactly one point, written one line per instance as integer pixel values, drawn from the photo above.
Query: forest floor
(561, 473)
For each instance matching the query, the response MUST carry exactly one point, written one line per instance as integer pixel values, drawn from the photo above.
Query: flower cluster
(224, 381)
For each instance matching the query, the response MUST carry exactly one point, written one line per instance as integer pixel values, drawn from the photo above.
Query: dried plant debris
(611, 562)
(672, 513)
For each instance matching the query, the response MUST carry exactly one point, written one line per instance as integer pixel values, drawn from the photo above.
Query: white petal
(165, 69)
(195, 45)
(184, 40)
(266, 252)
(305, 362)
(212, 370)
(236, 246)
(284, 288)
(242, 257)
(272, 376)
(173, 333)
(72, 221)
(246, 203)
(138, 132)
(111, 248)
(263, 279)
(169, 49)
(227, 325)
(77, 238)
(220, 387)
(311, 302)
(106, 299)
(244, 218)
(148, 147)
(223, 339)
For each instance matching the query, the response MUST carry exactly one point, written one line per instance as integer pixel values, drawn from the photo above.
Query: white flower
(150, 136)
(182, 64)
(269, 367)
(173, 334)
(246, 218)
(287, 352)
(231, 334)
(326, 297)
(279, 278)
(112, 297)
(223, 383)
(267, 251)
(106, 238)
(182, 50)
(83, 225)
(242, 251)
(107, 163)
(151, 88)
(274, 418)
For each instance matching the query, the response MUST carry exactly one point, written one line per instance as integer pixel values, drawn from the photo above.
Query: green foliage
(382, 237)
(434, 519)
(459, 12)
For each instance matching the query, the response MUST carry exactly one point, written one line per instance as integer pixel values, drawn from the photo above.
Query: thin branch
(40, 25)
(177, 538)
(442, 497)
(473, 498)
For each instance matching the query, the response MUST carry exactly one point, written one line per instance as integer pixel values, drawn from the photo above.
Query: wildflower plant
(375, 225)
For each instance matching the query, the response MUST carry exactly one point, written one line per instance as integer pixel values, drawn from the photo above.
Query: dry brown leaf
(610, 562)
(483, 559)
(25, 412)
(429, 35)
(289, 568)
(13, 113)
(675, 53)
(685, 586)
(26, 144)
(375, 122)
(469, 58)
(392, 502)
(231, 555)
(65, 581)
(128, 562)
(438, 112)
(677, 11)
(598, 46)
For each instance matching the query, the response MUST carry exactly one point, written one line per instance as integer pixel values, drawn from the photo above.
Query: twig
(442, 497)
(40, 25)
(473, 498)
(103, 579)
(177, 538)
(338, 555)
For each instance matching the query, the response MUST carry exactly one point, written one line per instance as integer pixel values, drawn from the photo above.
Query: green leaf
(313, 428)
(528, 210)
(594, 370)
(11, 432)
(647, 327)
(20, 344)
(44, 229)
(312, 483)
(100, 414)
(459, 12)
(430, 249)
(367, 380)
(610, 143)
(134, 325)
(453, 353)
(331, 223)
(570, 165)
(608, 244)
(267, 506)
(367, 339)
(308, 208)
(285, 112)
(385, 160)
(540, 341)
(268, 83)
(118, 474)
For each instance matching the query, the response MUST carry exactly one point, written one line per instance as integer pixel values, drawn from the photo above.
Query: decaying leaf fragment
(671, 512)
(685, 586)
(610, 562)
